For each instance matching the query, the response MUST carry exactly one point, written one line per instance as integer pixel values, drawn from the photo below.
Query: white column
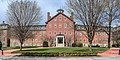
(63, 41)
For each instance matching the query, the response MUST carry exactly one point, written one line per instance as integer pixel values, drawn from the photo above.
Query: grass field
(70, 49)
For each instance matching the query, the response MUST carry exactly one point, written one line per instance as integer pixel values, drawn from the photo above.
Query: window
(84, 40)
(65, 25)
(54, 19)
(80, 34)
(80, 40)
(64, 19)
(54, 32)
(65, 33)
(32, 32)
(55, 25)
(49, 32)
(50, 26)
(40, 33)
(36, 40)
(60, 26)
(70, 32)
(60, 19)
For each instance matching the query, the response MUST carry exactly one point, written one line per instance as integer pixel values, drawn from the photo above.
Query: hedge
(58, 54)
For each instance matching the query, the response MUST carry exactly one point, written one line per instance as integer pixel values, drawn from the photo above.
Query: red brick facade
(61, 24)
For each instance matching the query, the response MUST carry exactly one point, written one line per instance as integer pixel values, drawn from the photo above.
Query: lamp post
(1, 47)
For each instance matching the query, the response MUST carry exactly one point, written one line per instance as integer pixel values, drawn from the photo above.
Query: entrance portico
(60, 40)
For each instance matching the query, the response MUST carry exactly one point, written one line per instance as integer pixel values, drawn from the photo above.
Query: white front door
(60, 41)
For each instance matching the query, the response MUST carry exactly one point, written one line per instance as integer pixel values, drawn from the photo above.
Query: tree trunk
(21, 46)
(109, 35)
(21, 43)
(90, 49)
(90, 42)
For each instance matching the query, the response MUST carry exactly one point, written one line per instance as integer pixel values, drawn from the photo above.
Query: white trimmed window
(49, 32)
(80, 39)
(60, 26)
(50, 26)
(70, 33)
(60, 18)
(54, 32)
(64, 19)
(55, 25)
(84, 40)
(55, 19)
(65, 25)
(80, 34)
(65, 32)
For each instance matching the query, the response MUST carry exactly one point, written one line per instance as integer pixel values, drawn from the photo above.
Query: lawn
(70, 49)
(66, 51)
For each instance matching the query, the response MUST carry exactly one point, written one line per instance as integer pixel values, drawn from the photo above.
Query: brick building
(60, 31)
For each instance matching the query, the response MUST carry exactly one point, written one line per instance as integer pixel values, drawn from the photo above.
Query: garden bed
(58, 54)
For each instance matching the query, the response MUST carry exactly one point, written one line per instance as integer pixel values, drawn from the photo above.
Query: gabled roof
(59, 14)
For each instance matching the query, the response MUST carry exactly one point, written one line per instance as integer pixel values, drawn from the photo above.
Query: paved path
(60, 58)
(9, 54)
(110, 52)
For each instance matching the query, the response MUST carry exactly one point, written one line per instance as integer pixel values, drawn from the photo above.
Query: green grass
(75, 49)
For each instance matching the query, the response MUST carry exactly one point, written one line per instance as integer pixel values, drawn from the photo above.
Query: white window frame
(64, 18)
(55, 26)
(65, 25)
(60, 26)
(55, 19)
(50, 26)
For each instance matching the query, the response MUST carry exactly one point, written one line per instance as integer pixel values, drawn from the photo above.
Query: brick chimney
(72, 15)
(48, 16)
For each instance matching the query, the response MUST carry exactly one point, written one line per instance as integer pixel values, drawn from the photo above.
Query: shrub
(57, 54)
(74, 45)
(45, 44)
(79, 45)
(115, 45)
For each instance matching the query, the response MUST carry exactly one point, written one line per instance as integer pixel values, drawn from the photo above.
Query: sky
(46, 6)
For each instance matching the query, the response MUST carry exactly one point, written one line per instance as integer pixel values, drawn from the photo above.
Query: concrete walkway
(61, 58)
(9, 54)
(110, 52)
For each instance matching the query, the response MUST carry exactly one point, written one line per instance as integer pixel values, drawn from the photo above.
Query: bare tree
(22, 15)
(89, 12)
(111, 14)
(116, 36)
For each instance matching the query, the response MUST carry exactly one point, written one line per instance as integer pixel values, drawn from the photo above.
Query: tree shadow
(83, 50)
(37, 50)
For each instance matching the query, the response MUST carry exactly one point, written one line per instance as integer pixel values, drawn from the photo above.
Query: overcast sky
(46, 6)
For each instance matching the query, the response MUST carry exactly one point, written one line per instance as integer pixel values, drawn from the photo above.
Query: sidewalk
(9, 54)
(110, 52)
